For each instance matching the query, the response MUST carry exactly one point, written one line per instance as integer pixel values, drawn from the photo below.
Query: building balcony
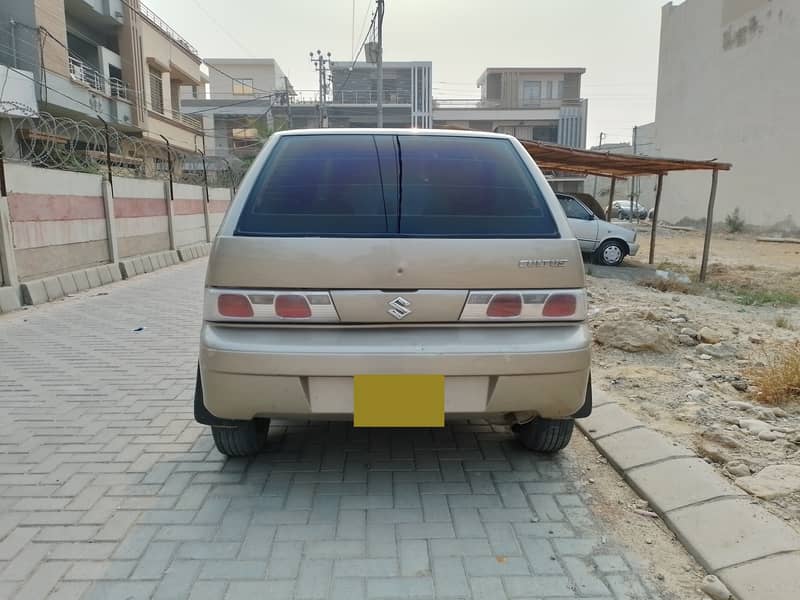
(98, 13)
(87, 75)
(369, 97)
(481, 103)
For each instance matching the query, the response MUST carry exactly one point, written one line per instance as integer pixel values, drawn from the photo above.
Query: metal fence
(54, 142)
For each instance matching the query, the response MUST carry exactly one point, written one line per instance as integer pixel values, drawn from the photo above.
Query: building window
(550, 90)
(156, 91)
(531, 92)
(244, 133)
(243, 87)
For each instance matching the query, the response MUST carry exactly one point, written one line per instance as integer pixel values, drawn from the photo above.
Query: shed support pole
(611, 197)
(655, 218)
(709, 224)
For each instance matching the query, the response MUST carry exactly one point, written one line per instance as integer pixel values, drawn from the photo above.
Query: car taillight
(560, 306)
(525, 305)
(292, 306)
(234, 305)
(269, 306)
(504, 306)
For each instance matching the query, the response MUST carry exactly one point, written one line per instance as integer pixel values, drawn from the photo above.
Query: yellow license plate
(398, 400)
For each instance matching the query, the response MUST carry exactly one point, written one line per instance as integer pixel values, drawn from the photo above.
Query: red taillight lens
(292, 306)
(560, 305)
(505, 306)
(234, 305)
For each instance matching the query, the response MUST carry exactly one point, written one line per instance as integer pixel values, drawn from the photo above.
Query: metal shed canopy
(608, 164)
(619, 166)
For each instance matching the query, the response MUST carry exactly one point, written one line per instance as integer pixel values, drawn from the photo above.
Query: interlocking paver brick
(124, 496)
(449, 578)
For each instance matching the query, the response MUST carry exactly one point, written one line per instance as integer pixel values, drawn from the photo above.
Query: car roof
(396, 131)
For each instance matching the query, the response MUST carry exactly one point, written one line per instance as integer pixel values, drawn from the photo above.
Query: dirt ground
(705, 402)
(735, 259)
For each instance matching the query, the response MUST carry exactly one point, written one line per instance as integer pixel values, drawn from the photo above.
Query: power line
(355, 60)
(222, 29)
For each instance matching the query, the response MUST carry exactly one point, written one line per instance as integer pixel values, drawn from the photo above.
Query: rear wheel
(545, 435)
(244, 440)
(611, 253)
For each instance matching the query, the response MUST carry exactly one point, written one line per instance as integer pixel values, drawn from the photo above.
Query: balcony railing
(188, 120)
(88, 75)
(497, 104)
(169, 31)
(85, 74)
(370, 97)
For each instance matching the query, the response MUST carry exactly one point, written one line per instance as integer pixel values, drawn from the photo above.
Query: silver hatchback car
(394, 278)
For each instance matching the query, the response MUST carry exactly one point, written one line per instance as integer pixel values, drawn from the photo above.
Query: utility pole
(594, 193)
(323, 65)
(380, 63)
(633, 179)
(288, 100)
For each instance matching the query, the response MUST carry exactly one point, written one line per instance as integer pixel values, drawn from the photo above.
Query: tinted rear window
(409, 185)
(462, 186)
(320, 185)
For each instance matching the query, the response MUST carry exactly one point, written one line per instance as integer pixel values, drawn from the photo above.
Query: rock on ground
(632, 336)
(709, 336)
(772, 482)
(716, 350)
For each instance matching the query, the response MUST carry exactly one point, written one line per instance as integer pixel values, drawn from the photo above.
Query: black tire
(611, 253)
(545, 435)
(245, 440)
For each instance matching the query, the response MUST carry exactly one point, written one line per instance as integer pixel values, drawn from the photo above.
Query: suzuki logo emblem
(399, 308)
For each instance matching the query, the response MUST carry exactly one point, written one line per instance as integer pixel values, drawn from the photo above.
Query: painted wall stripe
(44, 207)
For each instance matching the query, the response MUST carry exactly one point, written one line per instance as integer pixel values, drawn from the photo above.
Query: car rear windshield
(406, 185)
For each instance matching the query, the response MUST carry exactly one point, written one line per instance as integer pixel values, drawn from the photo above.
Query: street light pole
(380, 63)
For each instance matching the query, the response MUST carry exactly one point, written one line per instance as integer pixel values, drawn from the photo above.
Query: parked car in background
(609, 243)
(394, 278)
(621, 209)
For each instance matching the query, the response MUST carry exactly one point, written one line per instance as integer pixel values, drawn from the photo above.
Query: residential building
(407, 94)
(540, 104)
(726, 89)
(103, 60)
(238, 109)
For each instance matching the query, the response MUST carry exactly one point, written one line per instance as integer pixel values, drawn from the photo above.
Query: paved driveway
(108, 489)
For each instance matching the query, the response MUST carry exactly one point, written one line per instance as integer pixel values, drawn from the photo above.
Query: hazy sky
(615, 40)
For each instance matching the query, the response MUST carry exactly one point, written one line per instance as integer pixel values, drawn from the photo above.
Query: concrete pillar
(166, 94)
(111, 226)
(170, 216)
(8, 262)
(205, 213)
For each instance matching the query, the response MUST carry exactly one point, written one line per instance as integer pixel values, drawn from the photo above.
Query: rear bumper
(633, 248)
(308, 372)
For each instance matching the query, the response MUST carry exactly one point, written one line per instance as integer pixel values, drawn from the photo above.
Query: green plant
(750, 297)
(783, 322)
(734, 221)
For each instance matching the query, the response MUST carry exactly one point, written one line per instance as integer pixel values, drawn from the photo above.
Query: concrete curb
(9, 299)
(753, 552)
(188, 253)
(138, 265)
(39, 291)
